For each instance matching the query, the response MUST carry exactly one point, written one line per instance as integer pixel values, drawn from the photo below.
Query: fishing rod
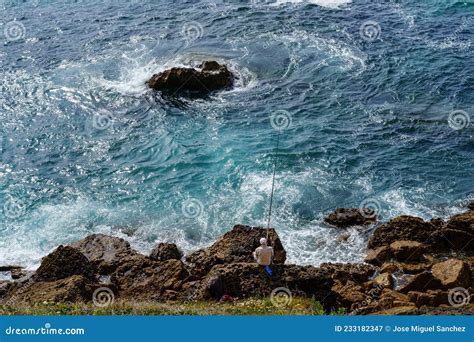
(275, 162)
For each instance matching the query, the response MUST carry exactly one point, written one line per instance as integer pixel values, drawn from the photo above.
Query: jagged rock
(358, 273)
(459, 232)
(452, 273)
(140, 277)
(464, 222)
(405, 228)
(385, 280)
(398, 310)
(16, 272)
(405, 250)
(409, 268)
(346, 217)
(208, 76)
(62, 263)
(420, 282)
(235, 246)
(349, 295)
(249, 279)
(104, 252)
(378, 255)
(73, 289)
(166, 251)
(429, 298)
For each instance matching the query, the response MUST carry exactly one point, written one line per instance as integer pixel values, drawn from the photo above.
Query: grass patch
(245, 307)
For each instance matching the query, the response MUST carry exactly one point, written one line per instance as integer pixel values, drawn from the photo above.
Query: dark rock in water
(209, 76)
(470, 205)
(62, 263)
(104, 252)
(346, 217)
(235, 246)
(406, 228)
(166, 251)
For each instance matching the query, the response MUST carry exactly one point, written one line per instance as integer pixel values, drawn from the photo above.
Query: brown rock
(464, 222)
(346, 217)
(73, 289)
(378, 255)
(62, 263)
(235, 246)
(351, 296)
(406, 228)
(398, 310)
(385, 280)
(458, 239)
(166, 251)
(420, 282)
(405, 250)
(429, 298)
(209, 76)
(405, 267)
(470, 205)
(452, 273)
(104, 252)
(357, 273)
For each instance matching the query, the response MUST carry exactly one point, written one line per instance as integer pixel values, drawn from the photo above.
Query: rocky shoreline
(412, 267)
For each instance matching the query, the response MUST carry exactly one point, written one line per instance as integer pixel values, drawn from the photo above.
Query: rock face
(405, 250)
(236, 246)
(459, 231)
(166, 251)
(64, 262)
(346, 217)
(209, 76)
(452, 273)
(104, 252)
(405, 228)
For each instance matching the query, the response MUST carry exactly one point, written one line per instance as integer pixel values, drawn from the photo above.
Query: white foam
(323, 3)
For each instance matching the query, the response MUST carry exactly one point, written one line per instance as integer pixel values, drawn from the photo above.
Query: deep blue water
(87, 148)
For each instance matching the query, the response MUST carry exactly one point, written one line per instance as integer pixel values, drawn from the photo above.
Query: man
(264, 255)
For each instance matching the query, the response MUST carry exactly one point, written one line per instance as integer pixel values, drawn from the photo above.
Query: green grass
(246, 307)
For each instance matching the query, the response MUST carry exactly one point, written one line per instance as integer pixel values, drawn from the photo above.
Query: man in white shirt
(263, 254)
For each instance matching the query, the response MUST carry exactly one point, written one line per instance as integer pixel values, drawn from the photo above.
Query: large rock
(420, 282)
(452, 273)
(358, 273)
(405, 250)
(73, 289)
(459, 231)
(346, 217)
(378, 255)
(208, 76)
(62, 263)
(104, 252)
(406, 228)
(166, 251)
(141, 278)
(429, 298)
(235, 246)
(249, 279)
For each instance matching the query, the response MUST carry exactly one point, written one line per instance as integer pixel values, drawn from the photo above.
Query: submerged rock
(209, 76)
(346, 217)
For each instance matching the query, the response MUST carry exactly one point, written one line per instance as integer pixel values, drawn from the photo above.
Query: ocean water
(373, 102)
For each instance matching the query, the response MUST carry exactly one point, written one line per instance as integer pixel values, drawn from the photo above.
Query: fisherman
(264, 255)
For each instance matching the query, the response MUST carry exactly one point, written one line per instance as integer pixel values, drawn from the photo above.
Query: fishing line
(275, 162)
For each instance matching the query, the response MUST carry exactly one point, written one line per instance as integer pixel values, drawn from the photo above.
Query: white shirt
(264, 255)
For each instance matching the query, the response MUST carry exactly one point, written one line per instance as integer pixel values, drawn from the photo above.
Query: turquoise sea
(374, 102)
